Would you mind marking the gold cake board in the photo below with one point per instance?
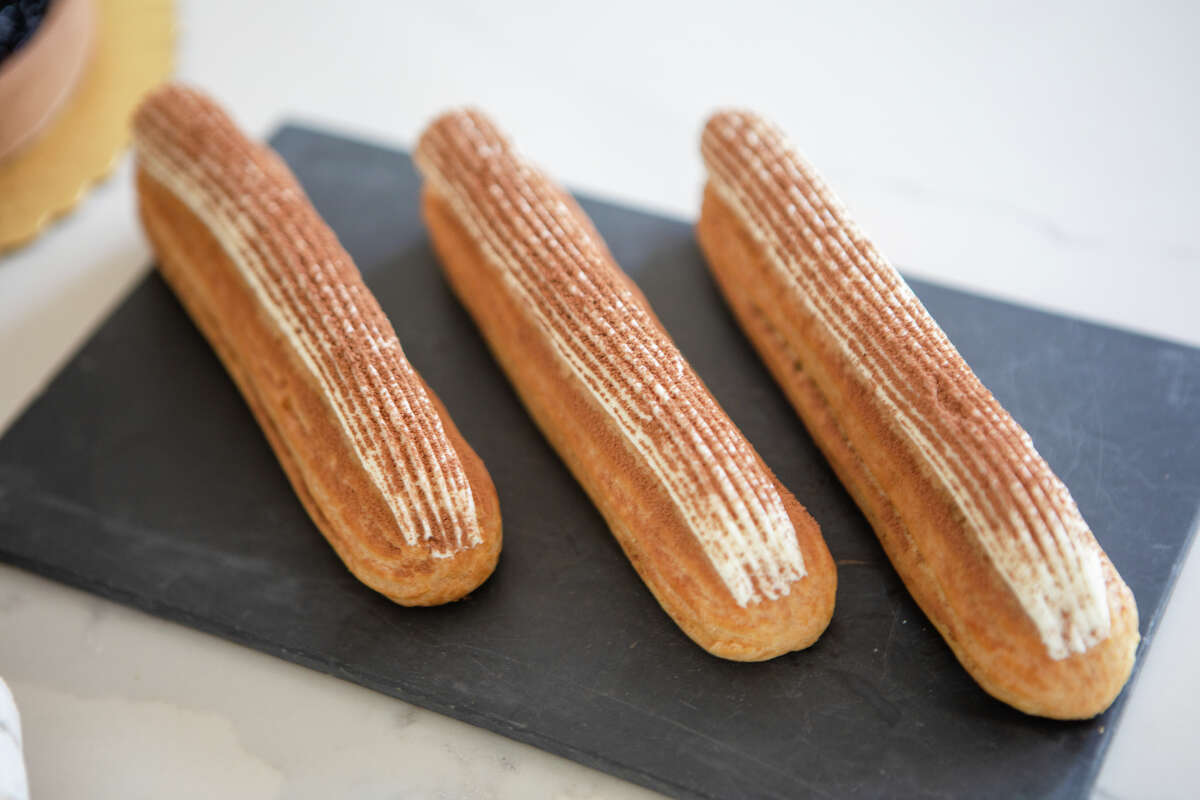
(134, 48)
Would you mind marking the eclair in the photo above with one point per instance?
(726, 550)
(369, 449)
(987, 539)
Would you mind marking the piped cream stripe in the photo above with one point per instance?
(1067, 605)
(372, 453)
(659, 356)
(998, 522)
(548, 262)
(713, 514)
(920, 329)
(369, 405)
(1026, 563)
(282, 310)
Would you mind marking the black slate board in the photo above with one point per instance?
(140, 475)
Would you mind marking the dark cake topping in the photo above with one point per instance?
(19, 19)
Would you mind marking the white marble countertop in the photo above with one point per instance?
(1042, 155)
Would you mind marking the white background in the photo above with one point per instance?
(1046, 155)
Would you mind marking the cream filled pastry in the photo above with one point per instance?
(985, 536)
(369, 449)
(726, 550)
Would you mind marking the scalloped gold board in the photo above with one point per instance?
(135, 43)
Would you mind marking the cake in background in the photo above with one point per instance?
(44, 49)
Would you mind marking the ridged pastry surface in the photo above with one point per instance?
(1019, 512)
(551, 260)
(306, 282)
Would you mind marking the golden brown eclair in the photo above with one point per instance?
(369, 449)
(726, 550)
(986, 538)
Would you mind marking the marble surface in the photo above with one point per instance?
(1041, 155)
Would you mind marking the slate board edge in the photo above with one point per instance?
(499, 725)
(358, 677)
(1122, 702)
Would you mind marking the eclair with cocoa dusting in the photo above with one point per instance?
(985, 536)
(727, 551)
(370, 451)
